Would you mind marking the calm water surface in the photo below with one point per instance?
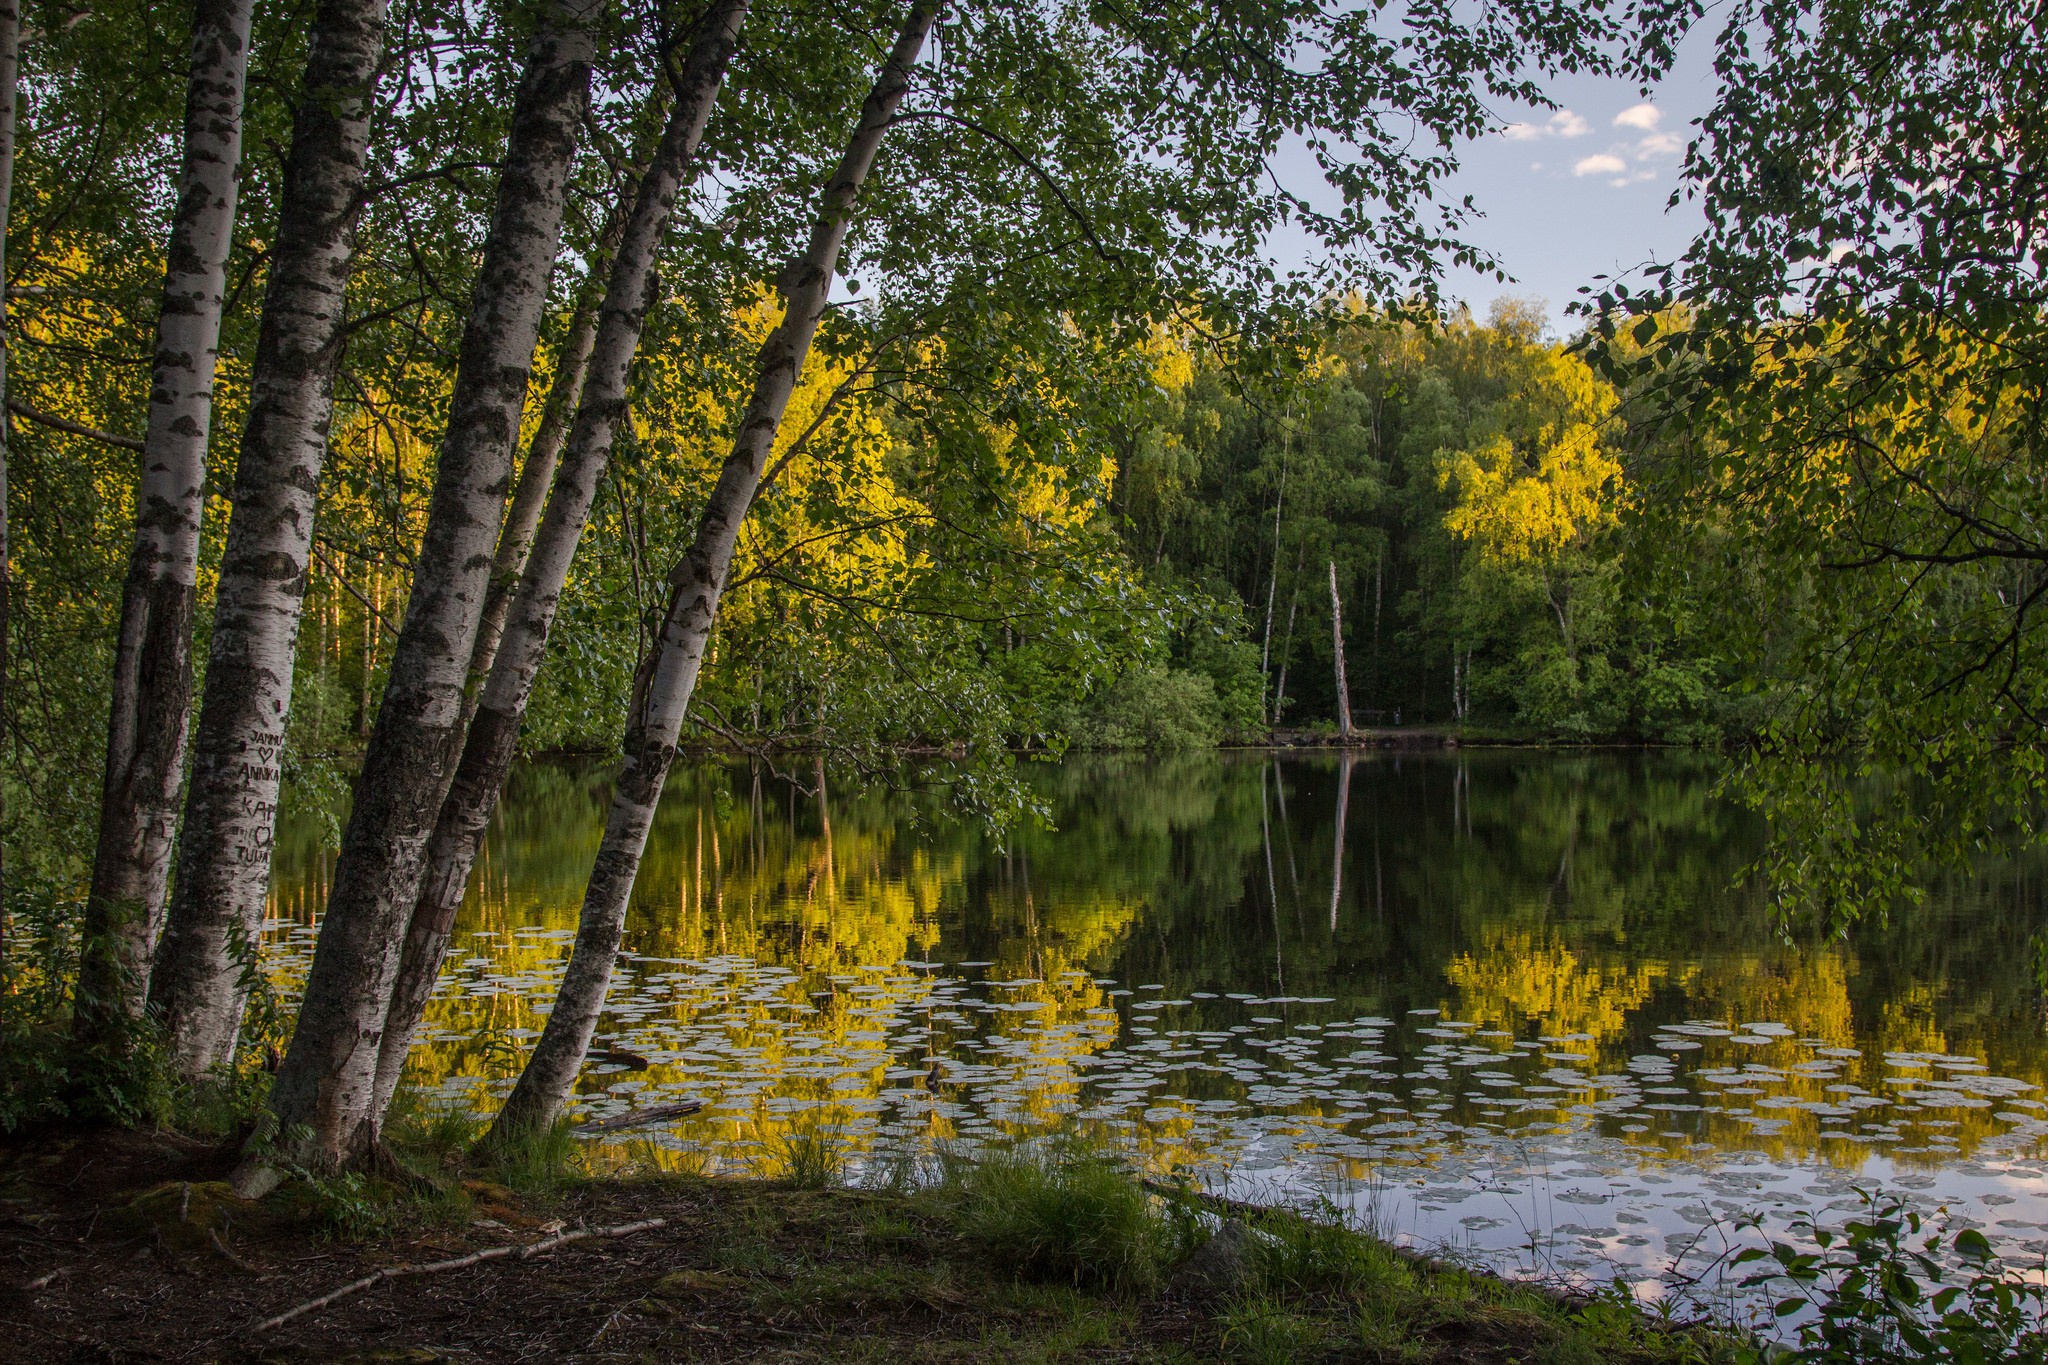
(1506, 1004)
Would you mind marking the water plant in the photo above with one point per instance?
(1889, 1287)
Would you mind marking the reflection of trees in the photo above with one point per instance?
(1540, 893)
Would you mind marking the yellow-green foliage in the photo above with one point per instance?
(1544, 475)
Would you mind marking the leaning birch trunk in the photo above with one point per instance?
(323, 1091)
(543, 1089)
(152, 699)
(494, 731)
(216, 910)
(10, 52)
(1337, 653)
(537, 474)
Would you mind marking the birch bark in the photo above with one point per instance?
(216, 909)
(1337, 655)
(152, 693)
(10, 53)
(694, 588)
(537, 475)
(325, 1087)
(494, 731)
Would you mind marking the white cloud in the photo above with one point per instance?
(1600, 163)
(1643, 116)
(1661, 144)
(1563, 123)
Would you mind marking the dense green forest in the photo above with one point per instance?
(392, 390)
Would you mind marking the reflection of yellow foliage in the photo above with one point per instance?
(1808, 992)
(1515, 978)
(832, 917)
(1909, 1022)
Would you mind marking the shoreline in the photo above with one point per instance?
(137, 1247)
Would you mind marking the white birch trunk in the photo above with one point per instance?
(10, 52)
(216, 910)
(152, 693)
(695, 585)
(325, 1088)
(1337, 652)
(537, 474)
(493, 734)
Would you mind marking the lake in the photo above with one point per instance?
(1509, 1004)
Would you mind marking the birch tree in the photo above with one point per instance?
(153, 655)
(325, 1085)
(493, 733)
(694, 588)
(216, 908)
(10, 52)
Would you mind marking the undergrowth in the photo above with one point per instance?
(1064, 1214)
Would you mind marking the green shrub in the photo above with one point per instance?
(1062, 1215)
(1151, 708)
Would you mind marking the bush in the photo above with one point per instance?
(1062, 1215)
(1151, 708)
(1231, 664)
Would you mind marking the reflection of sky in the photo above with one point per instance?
(1568, 194)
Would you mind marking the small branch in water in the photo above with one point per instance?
(515, 1250)
(636, 1117)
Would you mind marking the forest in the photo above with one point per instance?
(400, 390)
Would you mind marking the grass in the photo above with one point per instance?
(1064, 1214)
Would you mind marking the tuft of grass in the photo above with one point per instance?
(533, 1160)
(1315, 1253)
(1264, 1331)
(438, 1134)
(811, 1159)
(1062, 1215)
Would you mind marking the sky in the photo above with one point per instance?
(1580, 191)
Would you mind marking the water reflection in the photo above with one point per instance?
(1503, 1001)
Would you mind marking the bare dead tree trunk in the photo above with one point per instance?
(152, 692)
(325, 1088)
(493, 735)
(1337, 654)
(216, 910)
(695, 585)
